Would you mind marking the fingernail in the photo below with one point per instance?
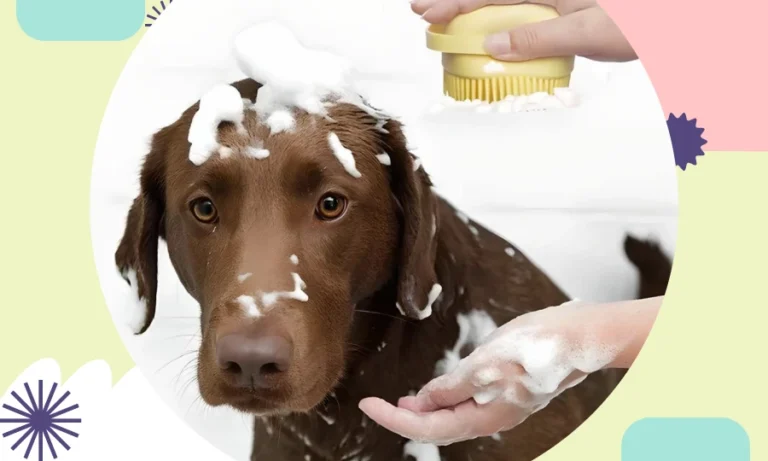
(498, 45)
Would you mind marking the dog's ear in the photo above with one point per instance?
(417, 284)
(136, 256)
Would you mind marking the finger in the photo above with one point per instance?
(439, 426)
(442, 427)
(421, 6)
(442, 12)
(590, 33)
(573, 380)
(444, 392)
(408, 403)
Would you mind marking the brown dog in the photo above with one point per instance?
(300, 268)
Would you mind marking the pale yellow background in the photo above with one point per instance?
(705, 357)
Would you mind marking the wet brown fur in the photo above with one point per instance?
(350, 342)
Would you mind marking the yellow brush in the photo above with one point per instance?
(470, 73)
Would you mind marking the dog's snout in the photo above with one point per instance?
(254, 360)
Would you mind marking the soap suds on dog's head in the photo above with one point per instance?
(294, 77)
(280, 120)
(225, 152)
(384, 159)
(221, 104)
(294, 260)
(344, 155)
(292, 74)
(259, 153)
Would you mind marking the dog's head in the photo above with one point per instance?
(278, 251)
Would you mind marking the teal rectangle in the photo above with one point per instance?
(80, 20)
(684, 439)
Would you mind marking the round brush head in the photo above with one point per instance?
(470, 73)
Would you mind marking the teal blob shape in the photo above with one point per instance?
(683, 439)
(80, 20)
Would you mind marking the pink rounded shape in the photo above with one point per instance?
(707, 59)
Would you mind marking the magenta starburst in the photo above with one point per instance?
(686, 139)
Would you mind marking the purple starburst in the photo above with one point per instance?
(158, 12)
(39, 421)
(686, 139)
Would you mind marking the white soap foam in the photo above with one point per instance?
(221, 104)
(484, 109)
(474, 327)
(258, 153)
(510, 251)
(422, 451)
(280, 120)
(243, 277)
(295, 260)
(548, 360)
(137, 315)
(488, 376)
(568, 97)
(294, 76)
(269, 299)
(248, 303)
(384, 159)
(329, 420)
(344, 155)
(486, 395)
(434, 293)
(563, 98)
(225, 152)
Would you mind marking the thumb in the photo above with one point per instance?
(553, 37)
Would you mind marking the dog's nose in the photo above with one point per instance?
(254, 361)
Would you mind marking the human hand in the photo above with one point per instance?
(518, 370)
(583, 29)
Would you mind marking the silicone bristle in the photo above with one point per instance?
(492, 89)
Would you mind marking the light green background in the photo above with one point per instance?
(704, 358)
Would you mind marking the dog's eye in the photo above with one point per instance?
(204, 210)
(331, 207)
